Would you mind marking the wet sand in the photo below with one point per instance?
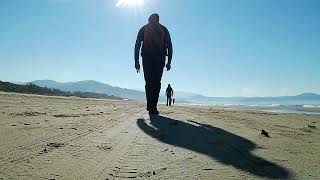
(72, 138)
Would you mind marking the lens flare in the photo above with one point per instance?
(123, 3)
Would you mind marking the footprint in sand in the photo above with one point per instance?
(105, 147)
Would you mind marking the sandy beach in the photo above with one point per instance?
(72, 138)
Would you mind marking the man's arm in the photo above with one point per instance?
(169, 45)
(138, 45)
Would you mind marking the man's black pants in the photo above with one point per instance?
(169, 100)
(153, 69)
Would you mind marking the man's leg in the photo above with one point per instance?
(147, 70)
(170, 100)
(158, 71)
(167, 100)
(154, 94)
(148, 96)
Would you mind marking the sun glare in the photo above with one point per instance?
(122, 3)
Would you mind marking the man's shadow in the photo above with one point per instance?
(221, 145)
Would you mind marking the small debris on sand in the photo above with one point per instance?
(65, 115)
(165, 150)
(208, 169)
(265, 133)
(74, 115)
(312, 126)
(105, 147)
(51, 146)
(27, 113)
(55, 145)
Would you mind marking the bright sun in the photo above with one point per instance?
(122, 3)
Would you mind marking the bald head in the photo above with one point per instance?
(154, 18)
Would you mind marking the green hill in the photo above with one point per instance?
(34, 89)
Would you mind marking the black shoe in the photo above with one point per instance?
(154, 111)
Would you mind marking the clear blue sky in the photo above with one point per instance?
(221, 47)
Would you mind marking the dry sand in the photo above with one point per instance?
(72, 138)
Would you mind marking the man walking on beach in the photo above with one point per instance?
(156, 46)
(169, 93)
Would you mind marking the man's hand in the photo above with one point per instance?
(168, 66)
(137, 66)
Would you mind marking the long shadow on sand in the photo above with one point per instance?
(221, 145)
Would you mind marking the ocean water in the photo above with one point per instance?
(272, 108)
(285, 104)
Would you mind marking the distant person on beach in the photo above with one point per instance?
(169, 93)
(156, 46)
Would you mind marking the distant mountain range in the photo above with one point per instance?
(98, 87)
(181, 97)
(92, 86)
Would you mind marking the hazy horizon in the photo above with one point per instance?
(221, 48)
(180, 92)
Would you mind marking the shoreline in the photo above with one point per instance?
(297, 109)
(283, 109)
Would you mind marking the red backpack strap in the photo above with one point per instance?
(145, 38)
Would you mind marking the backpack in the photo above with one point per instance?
(153, 41)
